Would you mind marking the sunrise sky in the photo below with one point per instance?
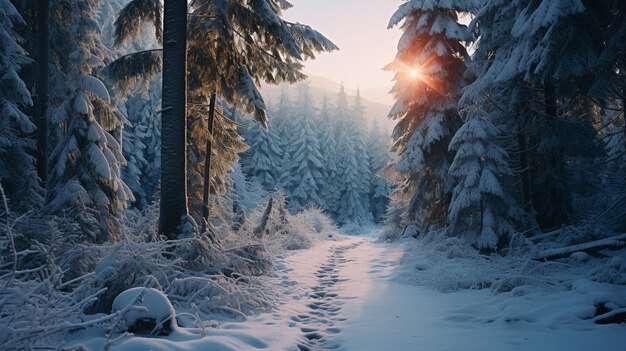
(359, 28)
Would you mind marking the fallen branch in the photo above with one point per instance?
(613, 243)
(540, 237)
(616, 316)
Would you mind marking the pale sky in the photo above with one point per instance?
(359, 28)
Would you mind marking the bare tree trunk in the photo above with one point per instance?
(207, 161)
(525, 165)
(43, 58)
(554, 165)
(624, 110)
(174, 118)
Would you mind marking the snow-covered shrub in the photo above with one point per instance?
(453, 264)
(145, 310)
(56, 284)
(235, 297)
(612, 270)
(39, 305)
(286, 231)
(318, 220)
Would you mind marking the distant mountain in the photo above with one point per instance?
(375, 111)
(379, 95)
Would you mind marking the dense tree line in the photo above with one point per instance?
(521, 136)
(324, 156)
(98, 115)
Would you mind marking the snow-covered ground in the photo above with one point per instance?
(351, 294)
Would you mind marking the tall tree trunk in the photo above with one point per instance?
(554, 164)
(525, 165)
(43, 58)
(207, 161)
(174, 118)
(624, 109)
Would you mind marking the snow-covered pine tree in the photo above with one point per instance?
(480, 204)
(228, 145)
(350, 208)
(233, 33)
(609, 86)
(306, 167)
(429, 68)
(142, 144)
(264, 157)
(17, 164)
(530, 63)
(283, 120)
(141, 134)
(359, 133)
(328, 144)
(233, 45)
(378, 151)
(85, 182)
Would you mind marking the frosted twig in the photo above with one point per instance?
(10, 234)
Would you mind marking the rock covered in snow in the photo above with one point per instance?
(146, 310)
(580, 256)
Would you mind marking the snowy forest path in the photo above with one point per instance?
(326, 286)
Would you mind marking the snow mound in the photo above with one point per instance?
(145, 310)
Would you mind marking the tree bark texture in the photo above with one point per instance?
(174, 118)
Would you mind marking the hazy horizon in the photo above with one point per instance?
(359, 28)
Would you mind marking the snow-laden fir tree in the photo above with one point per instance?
(132, 150)
(553, 49)
(232, 46)
(328, 147)
(351, 207)
(139, 103)
(378, 151)
(142, 144)
(228, 145)
(429, 68)
(306, 166)
(17, 165)
(358, 128)
(85, 182)
(480, 204)
(265, 156)
(530, 65)
(609, 86)
(282, 120)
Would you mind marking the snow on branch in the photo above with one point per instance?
(129, 23)
(613, 243)
(138, 67)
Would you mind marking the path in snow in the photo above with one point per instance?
(318, 324)
(328, 284)
(339, 295)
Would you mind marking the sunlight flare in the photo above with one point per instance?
(415, 73)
